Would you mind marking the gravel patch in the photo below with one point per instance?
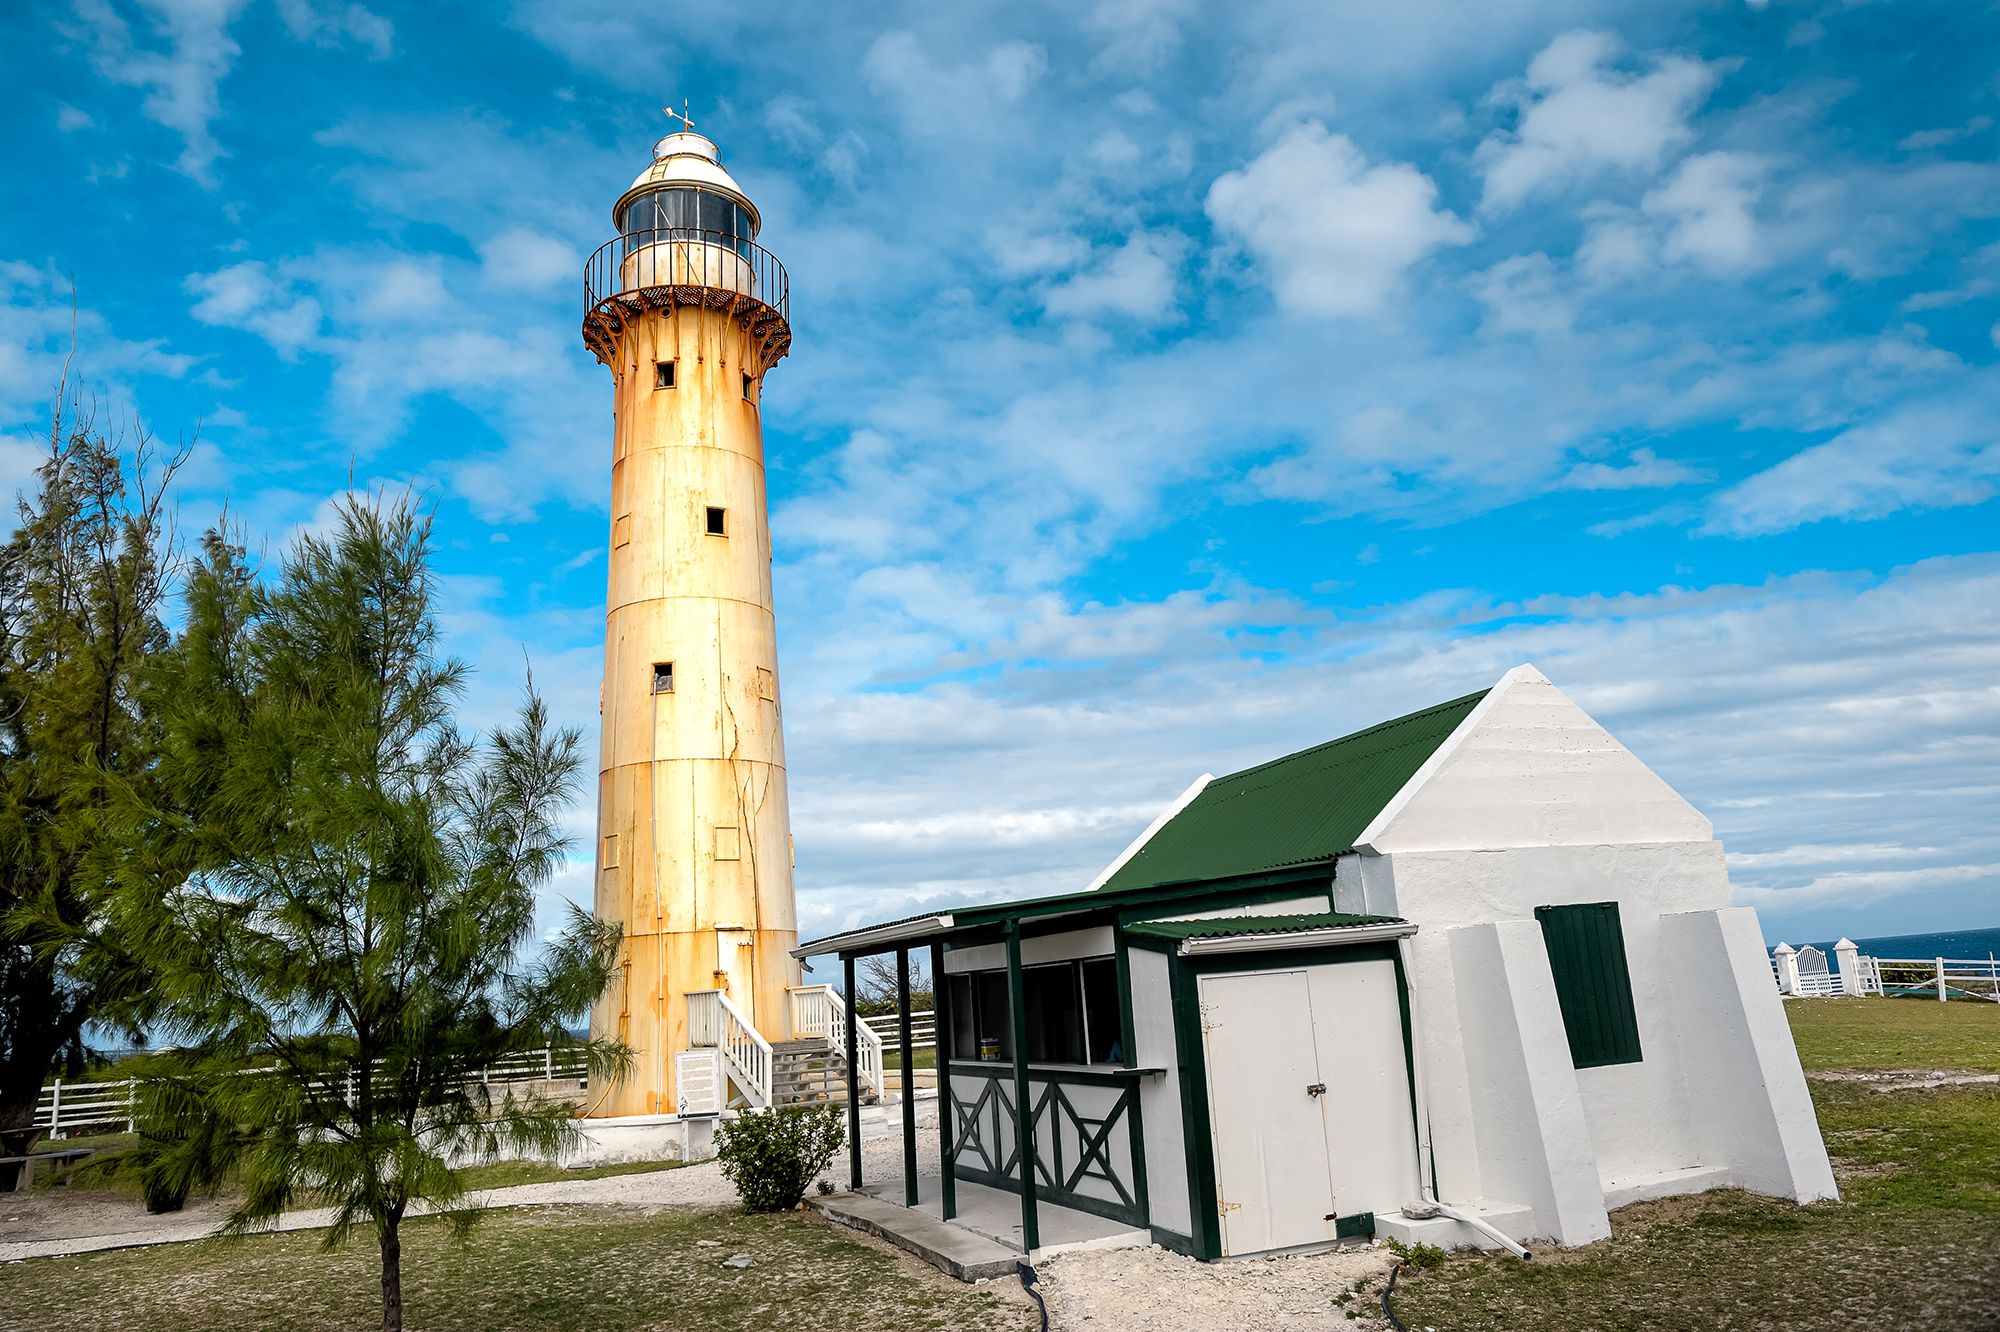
(1161, 1291)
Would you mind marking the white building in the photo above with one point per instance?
(1480, 955)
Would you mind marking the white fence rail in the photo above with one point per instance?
(923, 1029)
(1804, 974)
(67, 1109)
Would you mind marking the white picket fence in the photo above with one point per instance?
(70, 1108)
(1803, 974)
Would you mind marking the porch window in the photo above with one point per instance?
(1073, 1015)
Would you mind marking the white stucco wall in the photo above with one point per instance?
(1750, 1106)
(1035, 950)
(1531, 804)
(1530, 1126)
(1531, 768)
(1160, 1097)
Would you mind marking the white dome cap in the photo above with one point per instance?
(685, 158)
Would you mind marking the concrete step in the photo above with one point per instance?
(951, 1249)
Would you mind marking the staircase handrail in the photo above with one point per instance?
(819, 1010)
(714, 1021)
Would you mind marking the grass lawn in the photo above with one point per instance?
(1914, 1241)
(525, 1270)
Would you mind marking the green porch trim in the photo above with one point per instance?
(1024, 1123)
(1173, 1241)
(1196, 1130)
(941, 1029)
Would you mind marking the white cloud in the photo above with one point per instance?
(1139, 35)
(1643, 470)
(1333, 234)
(180, 78)
(252, 297)
(1578, 116)
(1940, 138)
(70, 119)
(521, 259)
(1139, 279)
(938, 100)
(331, 24)
(1524, 294)
(1933, 453)
(1707, 207)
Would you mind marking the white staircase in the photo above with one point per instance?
(819, 1016)
(811, 1066)
(715, 1023)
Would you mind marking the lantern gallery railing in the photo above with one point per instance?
(641, 265)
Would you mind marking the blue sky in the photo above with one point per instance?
(1173, 385)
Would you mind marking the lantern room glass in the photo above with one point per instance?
(686, 213)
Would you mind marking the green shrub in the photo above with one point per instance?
(772, 1156)
(1418, 1256)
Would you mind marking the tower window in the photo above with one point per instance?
(621, 530)
(728, 844)
(767, 684)
(610, 850)
(749, 389)
(663, 677)
(718, 521)
(663, 374)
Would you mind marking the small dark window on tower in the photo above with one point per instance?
(663, 374)
(718, 521)
(663, 677)
(749, 389)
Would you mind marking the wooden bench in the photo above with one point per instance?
(24, 1175)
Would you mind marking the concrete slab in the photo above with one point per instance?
(1666, 1184)
(952, 1249)
(1510, 1219)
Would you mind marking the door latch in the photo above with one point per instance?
(1316, 1089)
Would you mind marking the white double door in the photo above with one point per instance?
(1309, 1101)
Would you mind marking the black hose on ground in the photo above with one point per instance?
(1026, 1272)
(1387, 1312)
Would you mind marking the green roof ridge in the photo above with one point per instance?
(1298, 809)
(1218, 927)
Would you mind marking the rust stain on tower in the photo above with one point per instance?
(694, 845)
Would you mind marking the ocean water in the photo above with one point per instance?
(1976, 945)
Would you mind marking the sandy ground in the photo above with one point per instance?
(1107, 1290)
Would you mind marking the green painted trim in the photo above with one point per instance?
(1024, 1110)
(1097, 1075)
(1410, 1072)
(1079, 1202)
(853, 1080)
(905, 1053)
(1361, 1223)
(1278, 959)
(942, 1028)
(1173, 1241)
(1196, 1130)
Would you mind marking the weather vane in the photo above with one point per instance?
(681, 115)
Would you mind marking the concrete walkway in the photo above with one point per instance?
(698, 1185)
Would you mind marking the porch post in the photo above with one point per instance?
(1024, 1111)
(853, 1079)
(947, 1112)
(909, 1076)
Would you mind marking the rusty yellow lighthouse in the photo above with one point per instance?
(694, 852)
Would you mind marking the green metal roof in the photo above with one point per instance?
(1305, 807)
(1229, 926)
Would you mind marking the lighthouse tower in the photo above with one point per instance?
(694, 854)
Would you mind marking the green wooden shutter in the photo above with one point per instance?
(1587, 957)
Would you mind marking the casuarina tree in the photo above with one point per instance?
(336, 894)
(82, 580)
